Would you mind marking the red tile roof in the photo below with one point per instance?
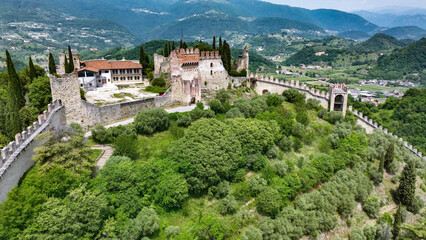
(107, 65)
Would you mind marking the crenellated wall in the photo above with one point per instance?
(269, 84)
(369, 125)
(16, 158)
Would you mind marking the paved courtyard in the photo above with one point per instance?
(110, 95)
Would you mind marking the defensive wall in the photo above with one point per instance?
(262, 85)
(87, 114)
(16, 157)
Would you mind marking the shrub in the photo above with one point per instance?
(223, 96)
(376, 176)
(177, 132)
(273, 152)
(100, 134)
(158, 82)
(333, 117)
(228, 205)
(200, 105)
(297, 144)
(145, 224)
(196, 114)
(294, 96)
(384, 231)
(184, 120)
(209, 113)
(252, 233)
(172, 231)
(126, 146)
(312, 103)
(269, 201)
(274, 100)
(285, 144)
(240, 175)
(281, 168)
(416, 206)
(234, 113)
(155, 89)
(223, 189)
(302, 117)
(151, 121)
(371, 207)
(256, 162)
(298, 130)
(322, 113)
(256, 184)
(171, 190)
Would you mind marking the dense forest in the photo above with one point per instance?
(266, 167)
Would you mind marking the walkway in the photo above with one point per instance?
(107, 152)
(131, 120)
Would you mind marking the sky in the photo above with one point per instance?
(351, 5)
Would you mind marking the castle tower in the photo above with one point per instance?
(243, 60)
(338, 97)
(67, 89)
(76, 59)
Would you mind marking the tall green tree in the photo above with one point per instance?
(141, 55)
(407, 186)
(15, 98)
(220, 45)
(397, 223)
(71, 61)
(32, 73)
(226, 56)
(184, 45)
(169, 49)
(214, 42)
(173, 45)
(389, 156)
(181, 44)
(66, 65)
(52, 64)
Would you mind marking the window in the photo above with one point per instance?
(211, 64)
(106, 71)
(90, 74)
(81, 74)
(211, 72)
(129, 78)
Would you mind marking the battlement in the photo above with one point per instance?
(338, 87)
(13, 148)
(210, 55)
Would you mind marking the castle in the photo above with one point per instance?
(195, 74)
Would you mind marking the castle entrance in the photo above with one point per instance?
(192, 100)
(338, 103)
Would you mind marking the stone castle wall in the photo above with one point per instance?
(16, 158)
(271, 85)
(88, 114)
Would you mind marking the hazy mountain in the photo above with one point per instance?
(393, 20)
(141, 16)
(409, 32)
(356, 35)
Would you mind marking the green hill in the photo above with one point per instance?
(311, 55)
(356, 35)
(379, 42)
(403, 62)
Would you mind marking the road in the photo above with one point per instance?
(128, 121)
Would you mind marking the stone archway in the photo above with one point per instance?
(265, 91)
(339, 101)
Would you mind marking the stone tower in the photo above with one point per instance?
(338, 97)
(243, 60)
(76, 59)
(67, 89)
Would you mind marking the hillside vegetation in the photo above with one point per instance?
(262, 168)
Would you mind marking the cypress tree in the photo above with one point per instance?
(181, 43)
(71, 61)
(184, 46)
(226, 56)
(220, 46)
(407, 185)
(67, 66)
(165, 50)
(382, 164)
(214, 42)
(52, 65)
(15, 98)
(33, 72)
(170, 49)
(389, 156)
(173, 46)
(141, 55)
(397, 223)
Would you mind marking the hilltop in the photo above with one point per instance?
(379, 42)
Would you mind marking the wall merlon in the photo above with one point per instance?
(385, 131)
(12, 146)
(5, 153)
(45, 114)
(18, 139)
